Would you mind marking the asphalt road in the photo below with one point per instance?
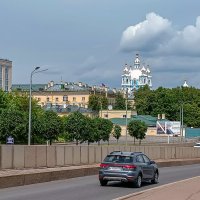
(88, 188)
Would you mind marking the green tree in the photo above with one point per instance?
(75, 125)
(96, 103)
(137, 129)
(120, 102)
(103, 129)
(50, 125)
(3, 100)
(13, 123)
(117, 132)
(87, 134)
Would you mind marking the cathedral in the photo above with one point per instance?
(135, 76)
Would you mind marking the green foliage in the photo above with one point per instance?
(96, 103)
(76, 126)
(103, 129)
(49, 125)
(169, 101)
(3, 100)
(120, 102)
(137, 129)
(13, 123)
(117, 132)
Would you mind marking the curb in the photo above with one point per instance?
(154, 189)
(53, 174)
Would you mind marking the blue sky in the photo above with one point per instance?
(91, 40)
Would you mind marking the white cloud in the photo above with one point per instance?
(156, 35)
(146, 35)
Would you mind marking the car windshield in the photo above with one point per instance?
(118, 159)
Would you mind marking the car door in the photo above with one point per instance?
(140, 163)
(149, 168)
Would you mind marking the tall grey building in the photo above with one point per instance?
(5, 75)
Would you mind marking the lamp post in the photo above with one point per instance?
(181, 121)
(30, 98)
(126, 114)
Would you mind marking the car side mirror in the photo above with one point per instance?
(152, 162)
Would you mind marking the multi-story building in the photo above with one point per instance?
(135, 77)
(65, 95)
(5, 75)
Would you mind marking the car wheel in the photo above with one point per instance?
(155, 178)
(103, 182)
(138, 181)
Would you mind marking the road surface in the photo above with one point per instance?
(88, 187)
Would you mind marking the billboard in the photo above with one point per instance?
(168, 127)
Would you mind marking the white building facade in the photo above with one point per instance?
(5, 75)
(135, 76)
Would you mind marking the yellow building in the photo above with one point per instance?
(78, 98)
(65, 97)
(109, 114)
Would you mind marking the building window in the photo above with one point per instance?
(106, 115)
(74, 98)
(57, 99)
(65, 98)
(83, 98)
(47, 98)
(124, 116)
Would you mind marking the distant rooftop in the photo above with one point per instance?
(63, 86)
(25, 87)
(67, 109)
(147, 119)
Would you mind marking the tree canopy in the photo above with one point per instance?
(117, 132)
(137, 129)
(169, 102)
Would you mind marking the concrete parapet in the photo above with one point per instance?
(37, 156)
(51, 156)
(41, 156)
(18, 157)
(60, 155)
(76, 155)
(68, 155)
(7, 156)
(0, 158)
(85, 155)
(91, 158)
(104, 150)
(98, 154)
(30, 156)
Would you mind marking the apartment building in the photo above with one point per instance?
(5, 75)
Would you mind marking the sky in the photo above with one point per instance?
(91, 40)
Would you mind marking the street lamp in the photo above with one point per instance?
(30, 97)
(181, 121)
(126, 114)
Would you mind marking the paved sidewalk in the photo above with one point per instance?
(182, 190)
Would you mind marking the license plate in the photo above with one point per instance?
(115, 168)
